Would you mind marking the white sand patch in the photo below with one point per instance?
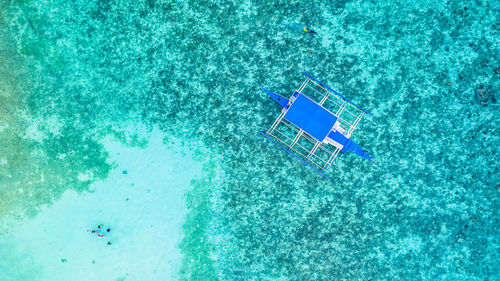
(3, 127)
(53, 124)
(85, 176)
(33, 133)
(141, 201)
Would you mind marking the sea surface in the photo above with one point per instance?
(144, 117)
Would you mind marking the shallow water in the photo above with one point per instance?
(141, 202)
(77, 73)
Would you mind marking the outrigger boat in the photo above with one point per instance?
(316, 124)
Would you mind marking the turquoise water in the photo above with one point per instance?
(83, 82)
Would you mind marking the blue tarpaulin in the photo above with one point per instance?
(310, 117)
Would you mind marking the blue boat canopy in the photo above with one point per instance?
(311, 117)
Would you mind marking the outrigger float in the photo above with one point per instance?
(316, 124)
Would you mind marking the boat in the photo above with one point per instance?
(315, 125)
